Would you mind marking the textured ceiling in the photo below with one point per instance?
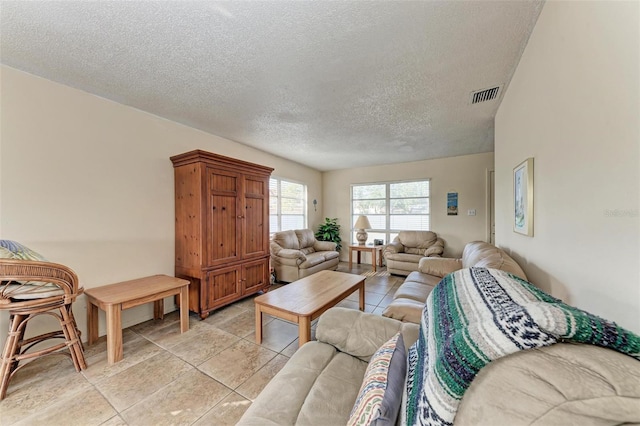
(328, 84)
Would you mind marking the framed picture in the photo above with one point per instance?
(523, 198)
(452, 204)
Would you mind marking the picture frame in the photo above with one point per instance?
(523, 198)
(452, 204)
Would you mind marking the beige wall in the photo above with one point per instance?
(88, 182)
(573, 105)
(465, 175)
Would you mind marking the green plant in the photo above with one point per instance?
(330, 231)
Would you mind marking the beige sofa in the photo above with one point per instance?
(297, 254)
(561, 384)
(403, 254)
(410, 297)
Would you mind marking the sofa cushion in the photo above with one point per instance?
(318, 385)
(286, 239)
(404, 257)
(406, 310)
(291, 254)
(380, 395)
(417, 277)
(328, 255)
(313, 259)
(327, 265)
(413, 250)
(409, 299)
(484, 255)
(414, 291)
(332, 395)
(306, 238)
(360, 334)
(325, 246)
(503, 262)
(417, 239)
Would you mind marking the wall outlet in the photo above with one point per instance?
(471, 212)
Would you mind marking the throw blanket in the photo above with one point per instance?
(477, 315)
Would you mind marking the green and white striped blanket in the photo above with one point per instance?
(477, 315)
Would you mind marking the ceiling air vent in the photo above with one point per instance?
(484, 95)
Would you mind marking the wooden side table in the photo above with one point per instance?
(114, 298)
(375, 250)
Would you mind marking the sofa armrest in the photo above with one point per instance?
(324, 246)
(394, 247)
(361, 334)
(439, 266)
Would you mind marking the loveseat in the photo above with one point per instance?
(409, 299)
(561, 384)
(296, 254)
(403, 254)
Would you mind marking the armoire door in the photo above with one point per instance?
(223, 225)
(255, 276)
(222, 286)
(255, 225)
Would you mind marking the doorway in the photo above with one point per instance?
(491, 199)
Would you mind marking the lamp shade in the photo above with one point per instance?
(362, 223)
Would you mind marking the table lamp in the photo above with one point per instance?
(361, 224)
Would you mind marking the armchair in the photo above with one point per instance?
(403, 254)
(296, 254)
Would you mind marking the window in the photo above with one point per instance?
(287, 205)
(391, 207)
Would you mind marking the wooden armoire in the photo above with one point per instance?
(222, 228)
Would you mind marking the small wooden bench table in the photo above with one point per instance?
(304, 300)
(114, 298)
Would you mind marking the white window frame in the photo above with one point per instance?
(389, 233)
(278, 213)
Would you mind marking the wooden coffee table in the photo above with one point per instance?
(304, 300)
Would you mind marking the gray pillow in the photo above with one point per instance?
(395, 386)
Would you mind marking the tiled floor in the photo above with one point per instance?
(207, 376)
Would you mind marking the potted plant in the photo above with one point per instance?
(330, 231)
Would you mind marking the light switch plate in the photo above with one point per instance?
(471, 212)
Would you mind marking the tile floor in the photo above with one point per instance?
(207, 376)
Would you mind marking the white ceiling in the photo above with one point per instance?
(329, 84)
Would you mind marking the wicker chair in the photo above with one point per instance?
(29, 289)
